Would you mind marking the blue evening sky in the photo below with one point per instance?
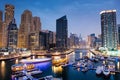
(83, 15)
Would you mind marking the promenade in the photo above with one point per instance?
(35, 53)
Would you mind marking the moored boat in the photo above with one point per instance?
(21, 67)
(35, 60)
(17, 67)
(106, 72)
(99, 70)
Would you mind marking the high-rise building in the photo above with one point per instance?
(118, 34)
(24, 30)
(1, 16)
(9, 13)
(61, 33)
(46, 39)
(74, 40)
(108, 29)
(12, 34)
(34, 33)
(33, 40)
(1, 29)
(37, 24)
(91, 40)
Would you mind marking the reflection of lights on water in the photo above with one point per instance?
(3, 69)
(3, 64)
(118, 65)
(78, 69)
(103, 62)
(57, 69)
(80, 54)
(16, 61)
(33, 57)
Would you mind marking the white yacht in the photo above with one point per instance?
(111, 66)
(35, 60)
(106, 71)
(99, 70)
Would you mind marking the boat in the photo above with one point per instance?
(34, 72)
(84, 69)
(106, 71)
(21, 67)
(17, 67)
(96, 59)
(50, 77)
(99, 70)
(111, 66)
(83, 65)
(35, 60)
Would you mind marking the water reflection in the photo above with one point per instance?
(118, 65)
(57, 69)
(80, 54)
(3, 69)
(16, 61)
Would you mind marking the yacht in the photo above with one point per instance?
(50, 77)
(17, 67)
(21, 67)
(106, 71)
(35, 60)
(84, 69)
(99, 70)
(111, 66)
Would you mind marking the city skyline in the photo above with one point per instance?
(79, 21)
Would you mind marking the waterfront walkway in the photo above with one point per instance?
(35, 53)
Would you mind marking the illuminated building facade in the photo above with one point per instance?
(61, 33)
(46, 39)
(24, 30)
(34, 34)
(12, 34)
(37, 24)
(118, 34)
(34, 41)
(1, 29)
(108, 29)
(74, 40)
(28, 35)
(9, 15)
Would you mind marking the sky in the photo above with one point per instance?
(83, 15)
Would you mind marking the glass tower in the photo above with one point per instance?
(108, 29)
(61, 33)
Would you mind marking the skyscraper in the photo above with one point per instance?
(1, 16)
(1, 29)
(9, 13)
(108, 29)
(37, 24)
(24, 30)
(12, 34)
(118, 34)
(61, 33)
